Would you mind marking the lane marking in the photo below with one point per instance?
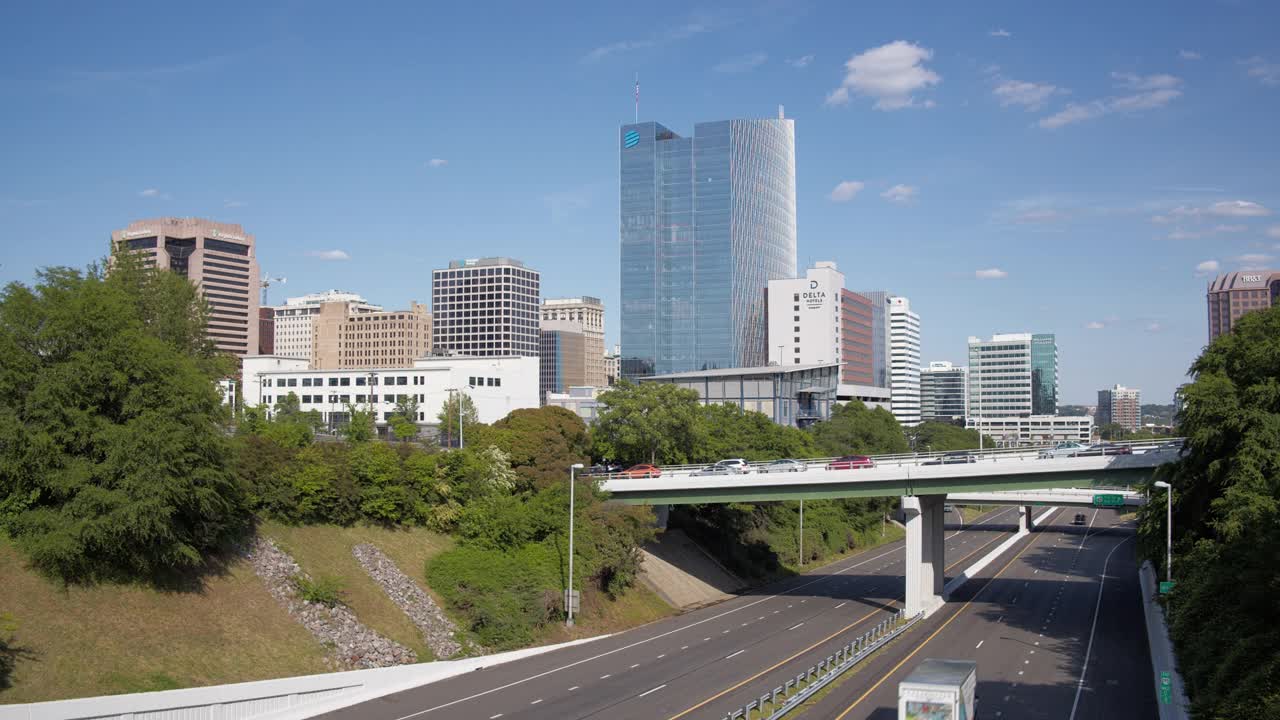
(495, 717)
(633, 667)
(951, 619)
(1096, 609)
(975, 647)
(605, 677)
(662, 656)
(840, 605)
(654, 690)
(535, 702)
(793, 627)
(575, 687)
(730, 657)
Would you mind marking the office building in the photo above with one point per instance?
(943, 392)
(814, 320)
(1237, 293)
(294, 333)
(878, 301)
(496, 386)
(795, 395)
(342, 339)
(266, 331)
(904, 361)
(580, 400)
(486, 307)
(612, 367)
(1120, 405)
(706, 222)
(1029, 430)
(1013, 375)
(562, 356)
(217, 257)
(587, 313)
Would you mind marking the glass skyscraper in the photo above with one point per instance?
(1044, 374)
(706, 222)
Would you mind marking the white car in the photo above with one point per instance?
(1065, 449)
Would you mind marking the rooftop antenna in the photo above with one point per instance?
(637, 97)
(781, 115)
(268, 281)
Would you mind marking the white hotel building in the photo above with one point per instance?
(294, 331)
(496, 385)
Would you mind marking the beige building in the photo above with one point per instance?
(1120, 405)
(293, 320)
(219, 258)
(587, 313)
(344, 338)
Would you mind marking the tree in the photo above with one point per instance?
(404, 419)
(542, 443)
(941, 437)
(360, 425)
(448, 418)
(854, 429)
(649, 422)
(113, 462)
(1226, 516)
(1113, 431)
(729, 431)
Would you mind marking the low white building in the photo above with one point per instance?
(581, 400)
(496, 385)
(1034, 429)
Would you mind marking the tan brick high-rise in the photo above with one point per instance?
(344, 340)
(219, 258)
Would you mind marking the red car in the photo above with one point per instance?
(850, 462)
(641, 471)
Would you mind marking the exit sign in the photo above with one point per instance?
(1166, 688)
(1165, 587)
(1108, 500)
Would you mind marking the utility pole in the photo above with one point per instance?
(801, 532)
(568, 596)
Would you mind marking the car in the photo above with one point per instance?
(1107, 449)
(850, 462)
(948, 508)
(785, 465)
(1064, 449)
(1078, 519)
(715, 469)
(734, 465)
(955, 457)
(643, 470)
(604, 468)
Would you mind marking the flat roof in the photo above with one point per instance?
(942, 672)
(730, 372)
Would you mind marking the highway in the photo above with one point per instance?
(699, 664)
(1030, 623)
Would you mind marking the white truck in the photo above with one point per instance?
(939, 690)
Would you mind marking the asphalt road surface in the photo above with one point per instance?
(697, 665)
(1055, 626)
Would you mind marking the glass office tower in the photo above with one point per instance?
(1044, 374)
(706, 222)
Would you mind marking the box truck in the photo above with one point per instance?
(939, 690)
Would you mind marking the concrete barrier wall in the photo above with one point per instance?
(284, 699)
(1163, 658)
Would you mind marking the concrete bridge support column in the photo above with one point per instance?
(926, 552)
(1026, 518)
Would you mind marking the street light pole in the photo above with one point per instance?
(568, 598)
(801, 532)
(1168, 526)
(460, 445)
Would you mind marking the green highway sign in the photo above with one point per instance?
(1108, 500)
(1166, 688)
(1165, 587)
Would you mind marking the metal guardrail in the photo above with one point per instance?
(791, 694)
(987, 455)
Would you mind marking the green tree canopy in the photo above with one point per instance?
(941, 437)
(855, 429)
(733, 432)
(404, 419)
(649, 422)
(541, 443)
(448, 418)
(113, 462)
(1226, 519)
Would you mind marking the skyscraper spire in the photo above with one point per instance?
(637, 97)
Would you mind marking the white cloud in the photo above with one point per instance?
(1267, 73)
(1189, 55)
(437, 162)
(1095, 325)
(1253, 261)
(154, 193)
(901, 194)
(800, 62)
(681, 32)
(1000, 33)
(1220, 229)
(1040, 215)
(1031, 96)
(1274, 232)
(1142, 92)
(1180, 234)
(990, 274)
(235, 203)
(1154, 327)
(741, 64)
(329, 254)
(846, 190)
(891, 74)
(1238, 208)
(1208, 267)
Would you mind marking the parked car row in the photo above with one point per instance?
(1076, 449)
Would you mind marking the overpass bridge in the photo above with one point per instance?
(925, 482)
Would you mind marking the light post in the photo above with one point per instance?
(459, 391)
(801, 532)
(568, 596)
(1168, 526)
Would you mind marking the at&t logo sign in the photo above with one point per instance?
(630, 138)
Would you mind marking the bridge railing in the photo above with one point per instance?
(1020, 454)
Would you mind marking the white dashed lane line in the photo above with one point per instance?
(575, 687)
(793, 627)
(653, 690)
(730, 657)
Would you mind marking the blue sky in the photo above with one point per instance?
(1008, 166)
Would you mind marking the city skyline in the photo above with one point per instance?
(992, 158)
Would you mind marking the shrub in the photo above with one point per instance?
(502, 594)
(325, 590)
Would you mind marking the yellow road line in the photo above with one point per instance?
(828, 638)
(935, 632)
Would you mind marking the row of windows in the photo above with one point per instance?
(496, 271)
(344, 381)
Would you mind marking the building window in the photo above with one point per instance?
(333, 382)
